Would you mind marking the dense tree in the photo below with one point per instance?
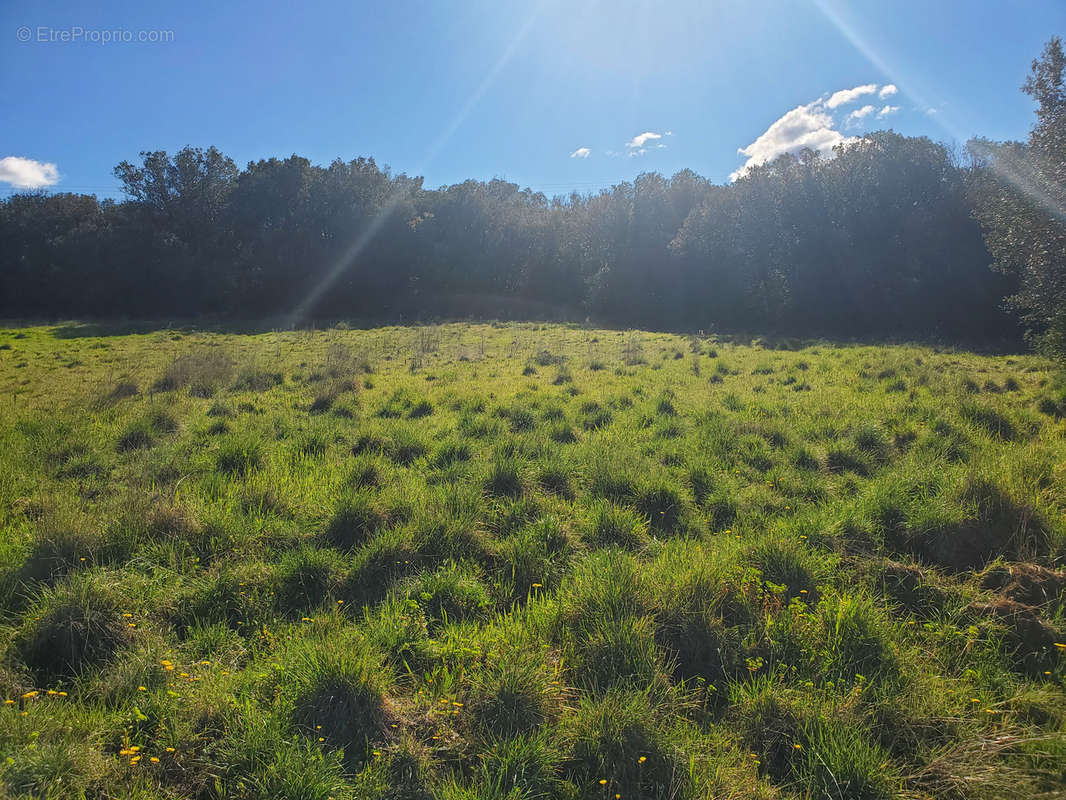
(1021, 202)
(882, 238)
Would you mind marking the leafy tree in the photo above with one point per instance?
(1021, 203)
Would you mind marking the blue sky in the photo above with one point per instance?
(456, 89)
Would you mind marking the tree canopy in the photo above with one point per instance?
(892, 235)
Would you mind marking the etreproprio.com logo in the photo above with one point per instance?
(77, 34)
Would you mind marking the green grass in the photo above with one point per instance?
(531, 561)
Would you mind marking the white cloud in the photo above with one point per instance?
(638, 152)
(887, 90)
(845, 96)
(859, 113)
(643, 139)
(807, 126)
(25, 173)
(581, 152)
(884, 112)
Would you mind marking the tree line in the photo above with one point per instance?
(892, 235)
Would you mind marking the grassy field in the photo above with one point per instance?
(522, 561)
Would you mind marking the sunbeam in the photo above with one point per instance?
(912, 87)
(371, 230)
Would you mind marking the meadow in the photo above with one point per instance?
(527, 561)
